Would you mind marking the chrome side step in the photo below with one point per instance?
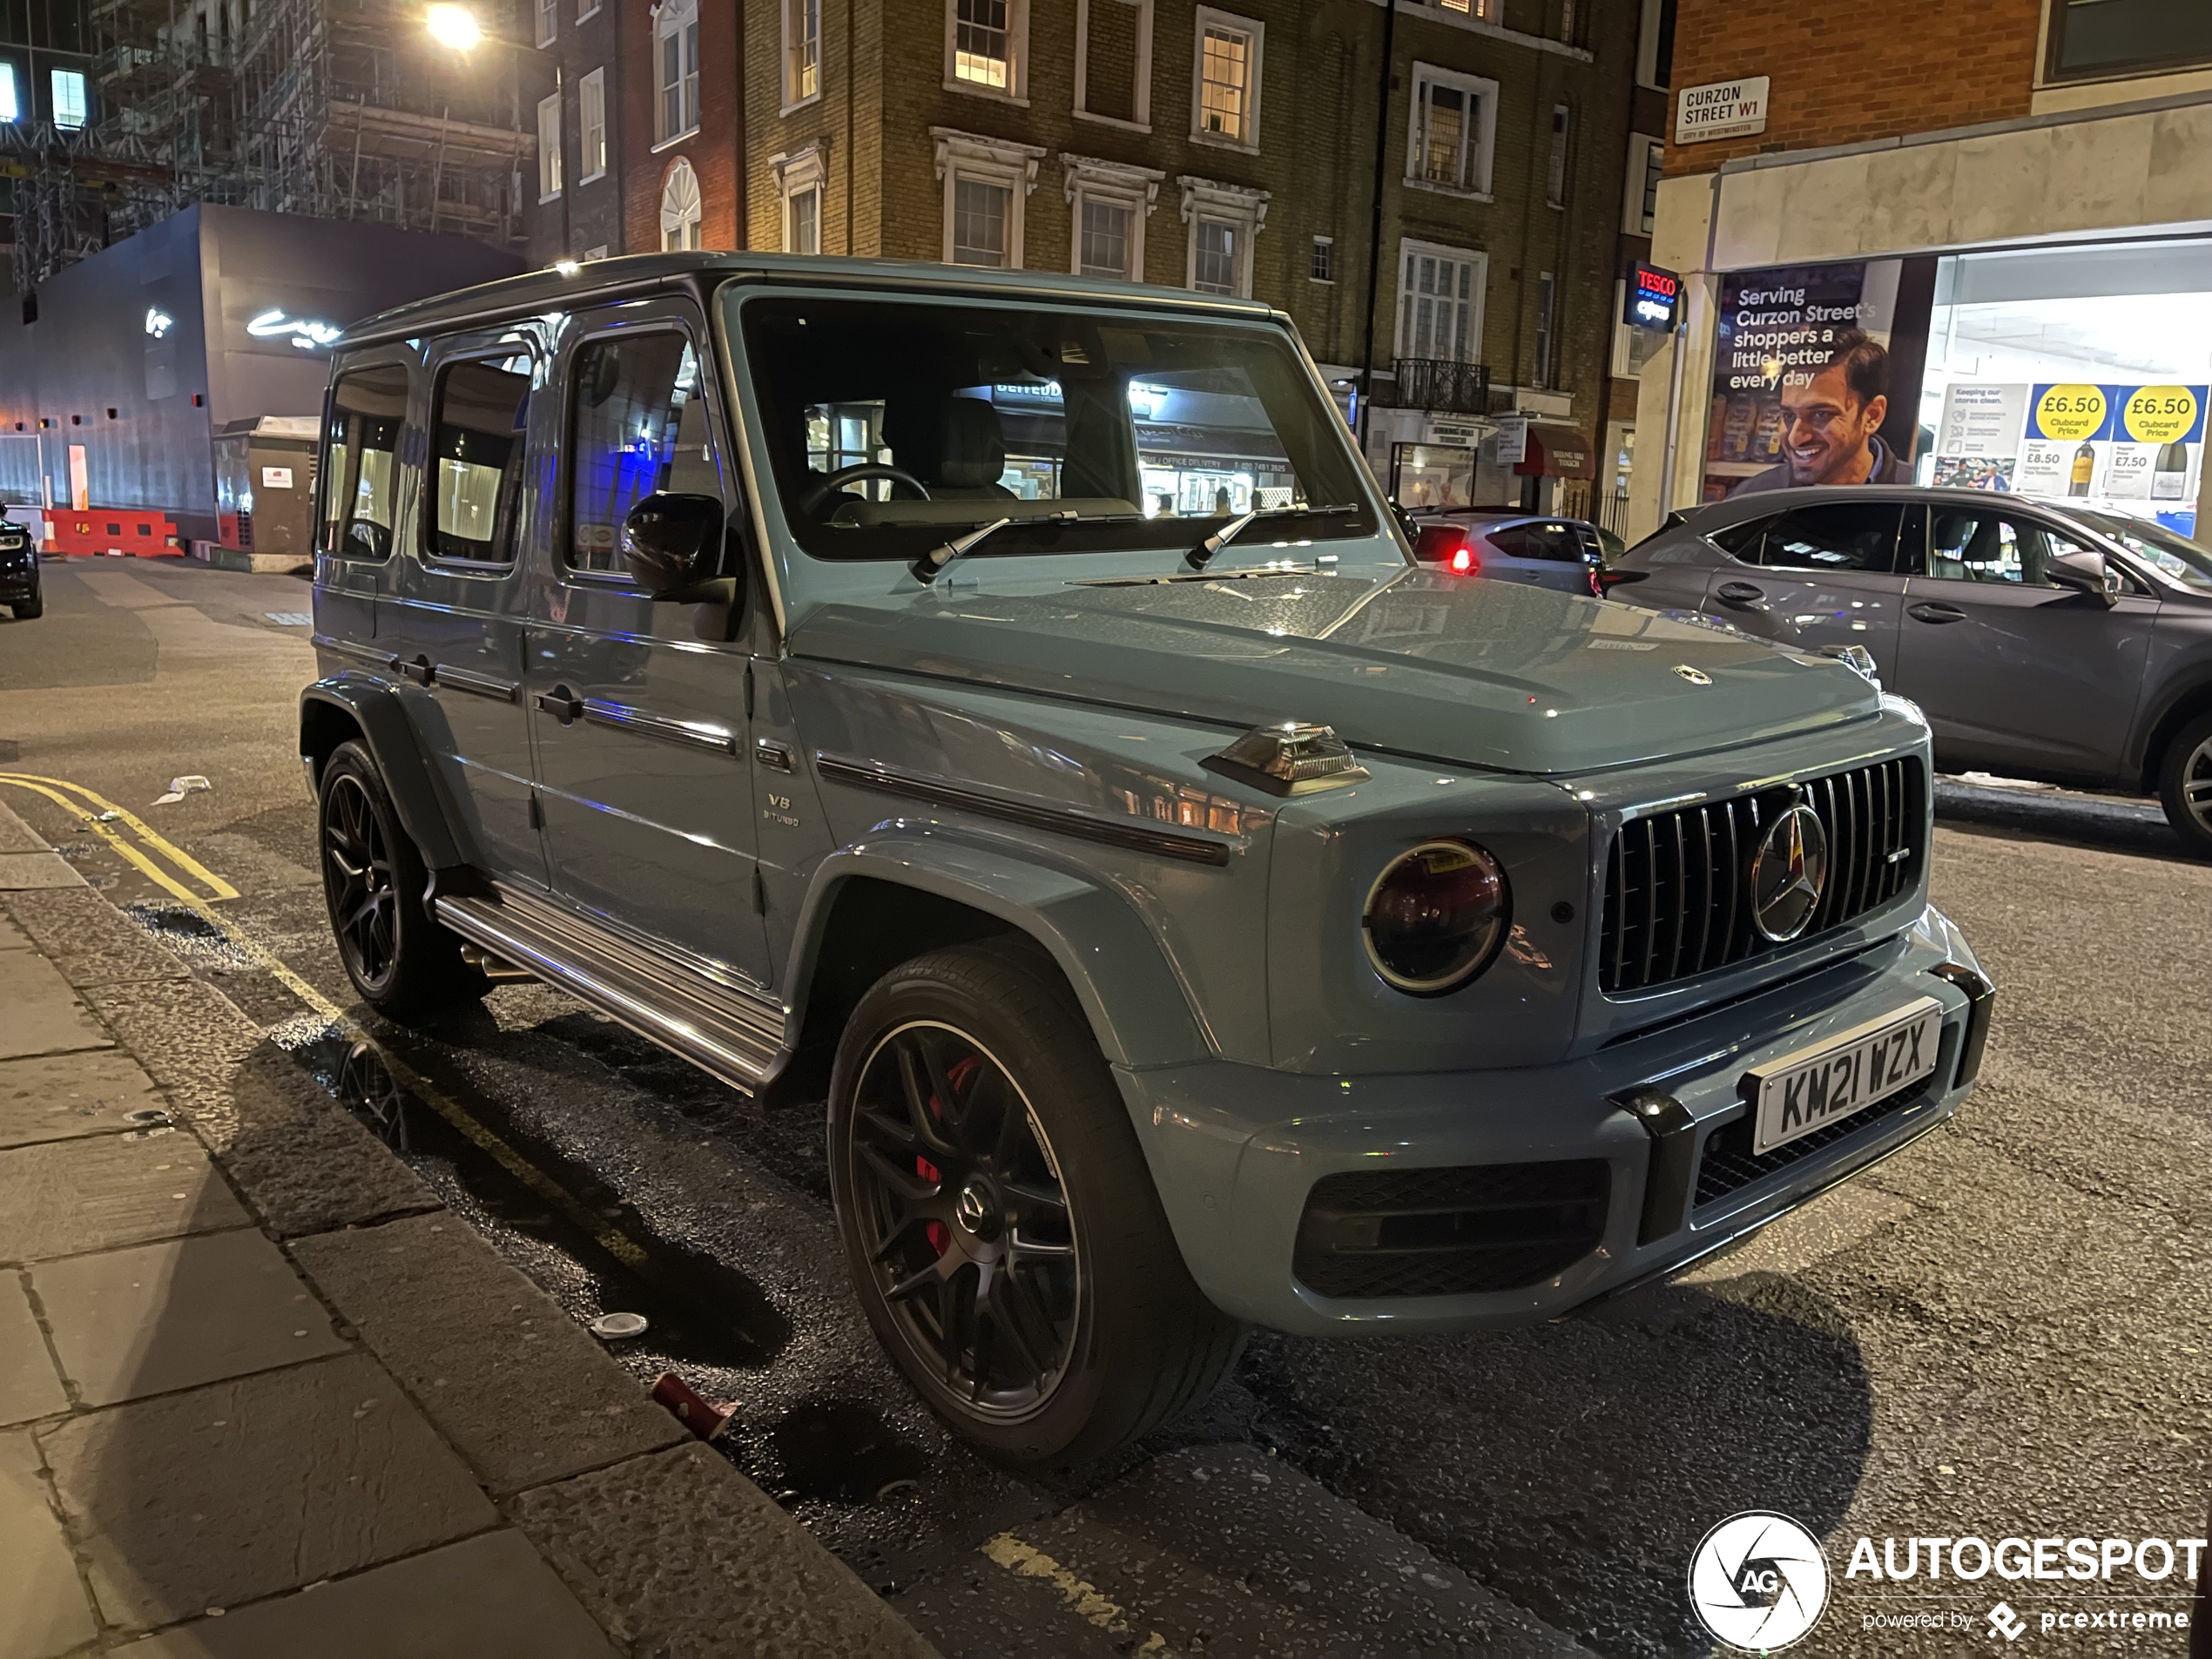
(735, 1037)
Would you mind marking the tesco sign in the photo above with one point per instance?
(1653, 299)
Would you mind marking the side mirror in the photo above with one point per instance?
(2084, 572)
(672, 544)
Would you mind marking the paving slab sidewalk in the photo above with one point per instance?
(259, 1392)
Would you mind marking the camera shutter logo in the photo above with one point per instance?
(1758, 1581)
(1789, 874)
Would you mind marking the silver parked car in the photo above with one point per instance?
(1003, 707)
(1509, 545)
(2043, 641)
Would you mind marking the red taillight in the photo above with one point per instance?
(1463, 562)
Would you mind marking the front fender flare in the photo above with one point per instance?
(1137, 1006)
(376, 709)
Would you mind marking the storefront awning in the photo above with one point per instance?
(1556, 452)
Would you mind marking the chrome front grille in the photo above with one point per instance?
(1677, 884)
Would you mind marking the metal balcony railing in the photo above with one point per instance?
(1438, 383)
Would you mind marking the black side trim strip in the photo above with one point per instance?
(383, 659)
(462, 680)
(1160, 843)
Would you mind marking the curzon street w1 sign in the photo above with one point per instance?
(1721, 109)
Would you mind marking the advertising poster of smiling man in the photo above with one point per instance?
(1804, 380)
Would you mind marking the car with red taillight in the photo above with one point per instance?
(1507, 544)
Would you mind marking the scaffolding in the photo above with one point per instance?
(331, 109)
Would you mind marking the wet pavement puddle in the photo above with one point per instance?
(842, 1452)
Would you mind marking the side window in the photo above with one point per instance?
(358, 471)
(1989, 547)
(1556, 542)
(640, 427)
(478, 416)
(1835, 536)
(1742, 540)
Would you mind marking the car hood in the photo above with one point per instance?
(1473, 672)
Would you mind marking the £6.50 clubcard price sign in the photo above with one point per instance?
(2136, 449)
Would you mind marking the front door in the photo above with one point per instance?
(459, 606)
(2015, 672)
(638, 705)
(357, 487)
(1822, 576)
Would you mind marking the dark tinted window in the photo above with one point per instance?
(641, 429)
(477, 418)
(360, 473)
(1743, 539)
(1557, 542)
(1835, 536)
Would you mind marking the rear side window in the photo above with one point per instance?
(641, 429)
(1556, 542)
(1743, 539)
(360, 475)
(478, 417)
(1834, 536)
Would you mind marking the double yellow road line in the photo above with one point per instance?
(168, 866)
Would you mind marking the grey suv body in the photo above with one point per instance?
(2042, 641)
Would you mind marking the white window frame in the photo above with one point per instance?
(1479, 147)
(592, 126)
(674, 18)
(1633, 221)
(1255, 33)
(796, 14)
(795, 173)
(992, 161)
(586, 9)
(1087, 179)
(1239, 205)
(1016, 90)
(681, 167)
(1547, 335)
(1480, 10)
(1140, 104)
(549, 142)
(1313, 247)
(1647, 45)
(549, 22)
(1478, 291)
(54, 81)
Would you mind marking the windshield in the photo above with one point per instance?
(895, 424)
(2176, 557)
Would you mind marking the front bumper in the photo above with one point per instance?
(1237, 1151)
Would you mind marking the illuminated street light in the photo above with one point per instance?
(454, 26)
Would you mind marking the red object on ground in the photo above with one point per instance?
(690, 1407)
(133, 530)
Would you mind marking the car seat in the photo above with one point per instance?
(955, 446)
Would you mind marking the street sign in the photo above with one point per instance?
(1721, 109)
(1653, 299)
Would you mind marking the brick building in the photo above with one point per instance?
(2011, 196)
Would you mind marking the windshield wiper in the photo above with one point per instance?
(1198, 556)
(938, 560)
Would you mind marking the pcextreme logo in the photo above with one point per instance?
(1758, 1581)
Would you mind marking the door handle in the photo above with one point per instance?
(561, 704)
(1741, 596)
(1932, 612)
(419, 670)
(774, 756)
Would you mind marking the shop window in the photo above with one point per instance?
(478, 421)
(591, 119)
(548, 147)
(640, 429)
(1439, 312)
(358, 479)
(2099, 39)
(676, 111)
(680, 208)
(1455, 123)
(1225, 92)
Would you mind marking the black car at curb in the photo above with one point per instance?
(19, 588)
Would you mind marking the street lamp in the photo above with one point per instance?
(453, 26)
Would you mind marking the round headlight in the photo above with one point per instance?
(1436, 916)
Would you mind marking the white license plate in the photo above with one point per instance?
(1816, 1087)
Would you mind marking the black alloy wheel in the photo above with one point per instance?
(358, 877)
(962, 1212)
(2185, 785)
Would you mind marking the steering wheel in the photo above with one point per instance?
(819, 493)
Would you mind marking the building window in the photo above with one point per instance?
(1104, 240)
(591, 122)
(1113, 61)
(1224, 101)
(549, 21)
(586, 9)
(1547, 297)
(1656, 44)
(1647, 166)
(1225, 221)
(11, 103)
(548, 147)
(982, 44)
(802, 52)
(1322, 267)
(2102, 39)
(1108, 203)
(800, 181)
(70, 107)
(1555, 175)
(679, 208)
(676, 110)
(1439, 305)
(1454, 122)
(987, 181)
(1486, 9)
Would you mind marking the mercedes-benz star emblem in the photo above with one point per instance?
(1789, 874)
(1695, 675)
(974, 1207)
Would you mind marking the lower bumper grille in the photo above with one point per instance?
(1450, 1231)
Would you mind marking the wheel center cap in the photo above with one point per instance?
(977, 1210)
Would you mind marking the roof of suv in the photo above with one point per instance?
(535, 290)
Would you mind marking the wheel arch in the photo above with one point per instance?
(2190, 701)
(341, 710)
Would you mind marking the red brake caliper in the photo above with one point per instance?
(957, 1075)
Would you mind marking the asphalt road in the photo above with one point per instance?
(2001, 1331)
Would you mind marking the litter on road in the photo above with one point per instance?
(191, 784)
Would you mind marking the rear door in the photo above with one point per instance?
(357, 492)
(1816, 578)
(2017, 674)
(1545, 553)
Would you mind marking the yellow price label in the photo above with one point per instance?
(2065, 412)
(2160, 413)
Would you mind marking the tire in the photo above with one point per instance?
(404, 964)
(2186, 769)
(1040, 1305)
(29, 609)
